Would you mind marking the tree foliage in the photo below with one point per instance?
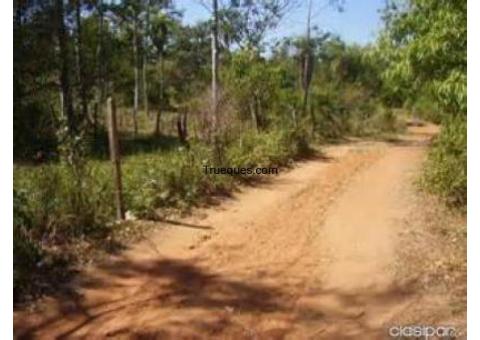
(425, 45)
(424, 48)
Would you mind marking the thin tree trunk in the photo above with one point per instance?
(135, 74)
(253, 114)
(160, 109)
(81, 63)
(182, 127)
(95, 122)
(157, 121)
(144, 59)
(258, 111)
(214, 34)
(100, 55)
(306, 64)
(62, 105)
(144, 86)
(65, 81)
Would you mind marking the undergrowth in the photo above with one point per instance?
(445, 172)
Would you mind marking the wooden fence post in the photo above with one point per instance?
(115, 156)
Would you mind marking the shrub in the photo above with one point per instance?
(60, 201)
(266, 149)
(171, 179)
(446, 168)
(373, 119)
(26, 252)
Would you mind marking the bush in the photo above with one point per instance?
(426, 108)
(267, 149)
(26, 252)
(382, 120)
(61, 201)
(170, 179)
(350, 109)
(445, 173)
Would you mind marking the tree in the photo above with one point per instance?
(134, 12)
(214, 64)
(309, 58)
(65, 74)
(307, 69)
(100, 56)
(146, 30)
(135, 73)
(253, 83)
(129, 12)
(424, 45)
(246, 22)
(81, 60)
(161, 29)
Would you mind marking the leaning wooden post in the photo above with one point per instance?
(115, 156)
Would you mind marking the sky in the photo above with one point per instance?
(358, 23)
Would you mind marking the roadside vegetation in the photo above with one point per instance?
(425, 46)
(268, 106)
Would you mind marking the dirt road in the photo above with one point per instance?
(308, 255)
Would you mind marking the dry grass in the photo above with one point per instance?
(432, 259)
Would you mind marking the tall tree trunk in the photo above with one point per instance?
(135, 74)
(160, 109)
(144, 58)
(65, 82)
(214, 34)
(100, 64)
(307, 61)
(81, 63)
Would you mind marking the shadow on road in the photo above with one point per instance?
(176, 299)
